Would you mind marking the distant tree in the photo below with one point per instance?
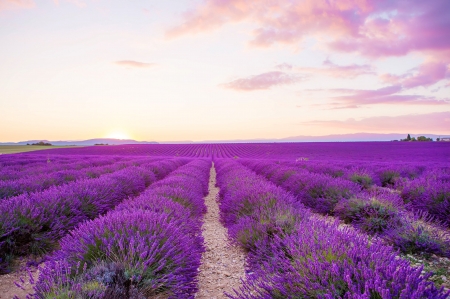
(413, 139)
(42, 143)
(438, 139)
(423, 138)
(408, 138)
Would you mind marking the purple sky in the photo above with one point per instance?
(218, 69)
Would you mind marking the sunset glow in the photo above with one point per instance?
(118, 135)
(221, 70)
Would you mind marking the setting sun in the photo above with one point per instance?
(118, 135)
(225, 149)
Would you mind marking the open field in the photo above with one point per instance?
(225, 149)
(308, 151)
(257, 221)
(12, 149)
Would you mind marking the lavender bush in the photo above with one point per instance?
(32, 223)
(137, 251)
(40, 182)
(316, 259)
(371, 214)
(323, 261)
(149, 246)
(429, 194)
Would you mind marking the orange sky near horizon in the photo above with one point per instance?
(222, 70)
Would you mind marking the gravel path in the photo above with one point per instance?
(222, 264)
(7, 283)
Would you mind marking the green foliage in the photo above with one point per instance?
(423, 138)
(42, 143)
(372, 216)
(362, 179)
(388, 177)
(420, 138)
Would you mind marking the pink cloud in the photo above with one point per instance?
(21, 4)
(15, 4)
(284, 67)
(371, 27)
(333, 70)
(426, 74)
(438, 122)
(347, 71)
(135, 64)
(263, 81)
(385, 95)
(212, 15)
(415, 26)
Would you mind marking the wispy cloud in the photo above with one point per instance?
(426, 74)
(438, 122)
(386, 95)
(263, 81)
(15, 4)
(21, 4)
(329, 68)
(134, 64)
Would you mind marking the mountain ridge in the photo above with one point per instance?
(109, 141)
(353, 137)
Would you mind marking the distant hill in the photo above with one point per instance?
(109, 141)
(354, 137)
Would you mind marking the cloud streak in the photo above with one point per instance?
(134, 64)
(386, 95)
(438, 122)
(16, 4)
(263, 81)
(425, 75)
(330, 69)
(24, 4)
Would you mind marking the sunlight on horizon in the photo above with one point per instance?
(118, 135)
(222, 70)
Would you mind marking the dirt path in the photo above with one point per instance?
(222, 264)
(8, 289)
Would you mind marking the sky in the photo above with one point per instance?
(222, 69)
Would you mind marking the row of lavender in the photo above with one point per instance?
(33, 222)
(147, 247)
(30, 159)
(295, 254)
(46, 177)
(422, 186)
(18, 166)
(434, 152)
(371, 209)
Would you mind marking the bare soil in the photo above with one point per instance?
(8, 288)
(222, 263)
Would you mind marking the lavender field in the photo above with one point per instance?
(314, 220)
